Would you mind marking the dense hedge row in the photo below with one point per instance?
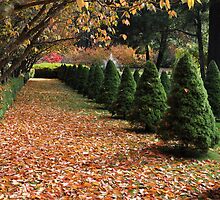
(186, 119)
(8, 92)
(45, 73)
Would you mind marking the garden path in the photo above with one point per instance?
(54, 144)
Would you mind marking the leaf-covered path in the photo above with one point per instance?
(55, 145)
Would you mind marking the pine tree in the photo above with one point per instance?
(136, 75)
(165, 81)
(189, 120)
(150, 99)
(83, 78)
(88, 91)
(125, 95)
(109, 89)
(97, 82)
(212, 85)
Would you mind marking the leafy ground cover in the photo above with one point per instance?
(56, 145)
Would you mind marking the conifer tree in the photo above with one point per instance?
(97, 82)
(150, 99)
(189, 120)
(109, 89)
(125, 95)
(136, 75)
(212, 85)
(83, 78)
(79, 75)
(88, 91)
(165, 81)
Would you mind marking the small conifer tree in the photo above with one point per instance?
(83, 80)
(165, 81)
(88, 91)
(97, 82)
(109, 89)
(212, 85)
(189, 120)
(136, 75)
(150, 99)
(125, 95)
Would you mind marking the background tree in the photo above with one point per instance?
(214, 32)
(150, 99)
(212, 85)
(189, 119)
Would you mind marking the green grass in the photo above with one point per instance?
(48, 65)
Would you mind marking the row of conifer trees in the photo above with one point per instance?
(178, 112)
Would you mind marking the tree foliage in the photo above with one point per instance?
(212, 85)
(150, 99)
(125, 95)
(109, 89)
(165, 80)
(189, 119)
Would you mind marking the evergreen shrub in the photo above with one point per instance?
(150, 99)
(189, 121)
(212, 85)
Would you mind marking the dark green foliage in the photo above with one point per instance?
(72, 77)
(150, 99)
(189, 121)
(136, 75)
(165, 81)
(97, 82)
(82, 79)
(88, 91)
(125, 94)
(79, 77)
(46, 73)
(212, 85)
(109, 89)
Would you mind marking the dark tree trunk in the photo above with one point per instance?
(163, 45)
(214, 32)
(147, 53)
(200, 44)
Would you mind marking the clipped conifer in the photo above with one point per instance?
(136, 75)
(109, 89)
(150, 99)
(88, 89)
(165, 81)
(97, 82)
(212, 85)
(82, 81)
(125, 96)
(189, 121)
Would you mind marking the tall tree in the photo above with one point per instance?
(214, 32)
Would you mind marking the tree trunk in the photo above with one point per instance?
(163, 45)
(214, 32)
(200, 44)
(147, 53)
